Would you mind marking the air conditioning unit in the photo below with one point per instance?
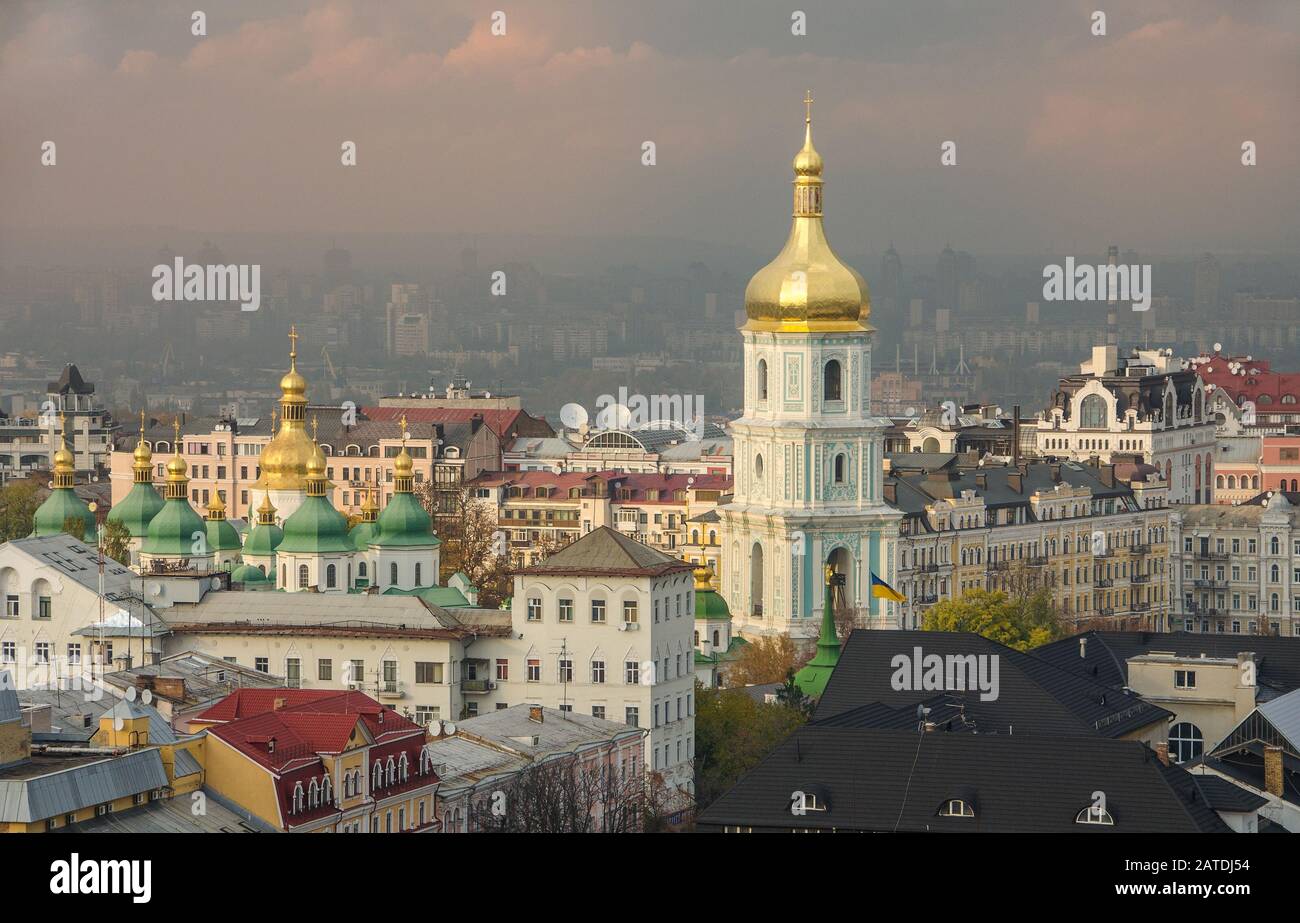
(622, 626)
(353, 687)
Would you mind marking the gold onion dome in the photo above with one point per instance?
(703, 578)
(807, 288)
(284, 460)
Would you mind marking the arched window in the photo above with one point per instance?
(839, 468)
(955, 807)
(361, 570)
(403, 768)
(758, 468)
(1094, 814)
(378, 776)
(302, 576)
(392, 770)
(832, 382)
(1273, 575)
(1274, 547)
(284, 575)
(417, 574)
(1169, 409)
(392, 573)
(331, 576)
(1185, 742)
(1092, 412)
(326, 789)
(762, 379)
(313, 794)
(717, 638)
(299, 798)
(1218, 481)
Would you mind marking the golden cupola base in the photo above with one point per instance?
(807, 288)
(285, 458)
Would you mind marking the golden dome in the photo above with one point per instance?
(176, 468)
(143, 457)
(216, 507)
(807, 288)
(403, 466)
(284, 460)
(316, 463)
(703, 578)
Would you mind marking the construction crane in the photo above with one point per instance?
(329, 364)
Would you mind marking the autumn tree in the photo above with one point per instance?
(18, 503)
(733, 733)
(1019, 622)
(117, 542)
(76, 527)
(564, 795)
(766, 660)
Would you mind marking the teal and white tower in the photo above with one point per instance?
(808, 453)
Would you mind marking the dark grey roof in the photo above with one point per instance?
(1034, 696)
(877, 779)
(36, 795)
(1107, 653)
(172, 815)
(1222, 795)
(70, 382)
(607, 551)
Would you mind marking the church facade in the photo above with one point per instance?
(808, 453)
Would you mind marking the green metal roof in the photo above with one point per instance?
(222, 535)
(61, 504)
(404, 523)
(709, 604)
(137, 509)
(263, 540)
(315, 528)
(171, 531)
(812, 679)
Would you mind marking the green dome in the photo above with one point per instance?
(315, 528)
(171, 532)
(710, 605)
(263, 540)
(61, 504)
(362, 534)
(250, 576)
(137, 509)
(404, 523)
(222, 535)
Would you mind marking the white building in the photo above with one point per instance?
(604, 627)
(808, 453)
(1144, 402)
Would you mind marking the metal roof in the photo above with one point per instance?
(83, 785)
(1284, 714)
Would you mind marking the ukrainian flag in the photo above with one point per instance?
(882, 590)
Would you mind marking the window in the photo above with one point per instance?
(417, 574)
(292, 672)
(302, 576)
(566, 610)
(534, 609)
(426, 714)
(598, 611)
(762, 379)
(1094, 814)
(629, 611)
(631, 672)
(43, 610)
(325, 669)
(534, 671)
(1185, 742)
(832, 383)
(1184, 679)
(1092, 412)
(632, 716)
(428, 672)
(503, 669)
(355, 672)
(8, 651)
(566, 671)
(598, 711)
(11, 606)
(392, 573)
(955, 807)
(598, 671)
(74, 653)
(839, 468)
(262, 664)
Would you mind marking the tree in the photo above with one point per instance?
(76, 527)
(117, 542)
(18, 503)
(563, 795)
(1020, 622)
(733, 733)
(766, 660)
(791, 696)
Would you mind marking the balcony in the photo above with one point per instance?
(1141, 578)
(757, 611)
(1038, 560)
(928, 568)
(1203, 583)
(1141, 607)
(477, 686)
(390, 689)
(1139, 549)
(925, 600)
(999, 565)
(1210, 555)
(1105, 582)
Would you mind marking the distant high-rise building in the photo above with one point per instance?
(891, 277)
(1205, 285)
(338, 267)
(947, 279)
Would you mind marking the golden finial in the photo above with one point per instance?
(293, 346)
(313, 428)
(142, 425)
(830, 572)
(274, 417)
(807, 102)
(403, 422)
(176, 428)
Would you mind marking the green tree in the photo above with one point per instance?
(1019, 622)
(76, 527)
(18, 503)
(791, 696)
(733, 732)
(117, 542)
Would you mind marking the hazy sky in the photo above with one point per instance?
(1063, 139)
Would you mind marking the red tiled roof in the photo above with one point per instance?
(502, 422)
(1258, 380)
(243, 703)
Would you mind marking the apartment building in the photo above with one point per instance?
(1081, 530)
(69, 411)
(538, 511)
(1236, 569)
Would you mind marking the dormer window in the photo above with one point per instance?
(812, 803)
(1095, 814)
(956, 807)
(299, 799)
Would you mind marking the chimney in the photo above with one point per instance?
(475, 422)
(1083, 645)
(1162, 752)
(1015, 435)
(279, 703)
(535, 713)
(1015, 480)
(1273, 770)
(1108, 475)
(1056, 472)
(891, 492)
(982, 480)
(270, 745)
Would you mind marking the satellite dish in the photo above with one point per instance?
(146, 697)
(448, 728)
(130, 693)
(216, 583)
(1218, 347)
(118, 724)
(155, 589)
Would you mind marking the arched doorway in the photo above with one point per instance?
(756, 580)
(841, 562)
